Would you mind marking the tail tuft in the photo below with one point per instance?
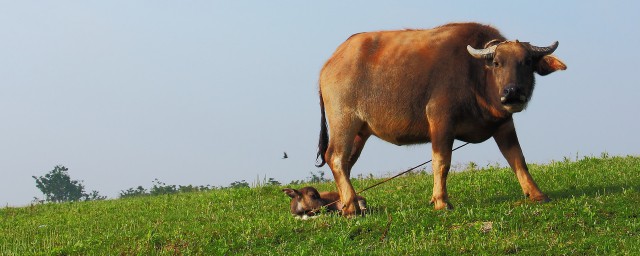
(323, 142)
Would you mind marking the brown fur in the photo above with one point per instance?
(419, 86)
(308, 201)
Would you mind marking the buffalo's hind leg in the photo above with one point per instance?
(344, 148)
(358, 145)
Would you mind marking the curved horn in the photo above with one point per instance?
(493, 42)
(542, 51)
(486, 53)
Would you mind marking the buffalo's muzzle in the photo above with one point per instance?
(512, 95)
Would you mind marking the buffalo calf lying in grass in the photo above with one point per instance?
(307, 202)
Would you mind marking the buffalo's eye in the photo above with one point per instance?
(496, 63)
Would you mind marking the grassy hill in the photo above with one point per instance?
(595, 210)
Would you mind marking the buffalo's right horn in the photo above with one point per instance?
(486, 53)
(541, 51)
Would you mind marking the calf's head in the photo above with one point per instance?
(510, 66)
(305, 201)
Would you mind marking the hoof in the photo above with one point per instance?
(351, 213)
(439, 204)
(540, 198)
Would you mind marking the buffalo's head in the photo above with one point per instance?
(510, 66)
(304, 202)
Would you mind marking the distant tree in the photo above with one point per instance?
(207, 187)
(317, 178)
(192, 188)
(161, 188)
(239, 184)
(472, 166)
(57, 186)
(295, 182)
(131, 192)
(187, 188)
(273, 182)
(94, 196)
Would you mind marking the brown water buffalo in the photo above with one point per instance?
(459, 81)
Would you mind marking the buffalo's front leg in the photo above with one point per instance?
(441, 145)
(507, 141)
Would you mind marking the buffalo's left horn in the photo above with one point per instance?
(541, 51)
(486, 53)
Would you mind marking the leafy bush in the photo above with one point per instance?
(57, 186)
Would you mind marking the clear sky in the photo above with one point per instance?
(211, 92)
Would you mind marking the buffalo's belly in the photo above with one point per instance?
(401, 140)
(401, 134)
(411, 139)
(419, 133)
(474, 133)
(472, 138)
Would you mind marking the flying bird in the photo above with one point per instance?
(285, 156)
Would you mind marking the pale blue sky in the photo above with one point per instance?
(209, 92)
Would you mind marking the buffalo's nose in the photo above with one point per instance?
(509, 91)
(512, 94)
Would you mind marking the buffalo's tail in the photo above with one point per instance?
(323, 142)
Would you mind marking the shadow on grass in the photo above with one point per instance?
(567, 193)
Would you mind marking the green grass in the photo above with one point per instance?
(595, 211)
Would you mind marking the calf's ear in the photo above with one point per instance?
(291, 192)
(549, 64)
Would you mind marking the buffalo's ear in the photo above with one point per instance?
(291, 192)
(549, 64)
